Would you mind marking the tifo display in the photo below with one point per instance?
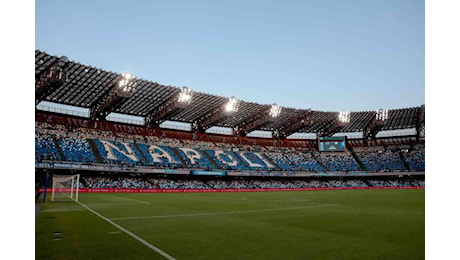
(171, 153)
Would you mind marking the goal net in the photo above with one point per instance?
(65, 187)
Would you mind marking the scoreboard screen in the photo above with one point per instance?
(332, 144)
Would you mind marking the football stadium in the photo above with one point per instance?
(128, 168)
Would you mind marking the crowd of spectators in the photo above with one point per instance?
(76, 149)
(338, 162)
(57, 142)
(380, 159)
(65, 131)
(296, 161)
(397, 183)
(45, 148)
(161, 183)
(128, 160)
(416, 160)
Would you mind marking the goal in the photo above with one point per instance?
(65, 187)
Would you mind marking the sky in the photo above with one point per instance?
(356, 55)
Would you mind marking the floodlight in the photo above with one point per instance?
(126, 82)
(381, 114)
(275, 110)
(127, 76)
(185, 95)
(232, 105)
(344, 116)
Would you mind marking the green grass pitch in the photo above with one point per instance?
(343, 224)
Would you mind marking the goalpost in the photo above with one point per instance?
(65, 187)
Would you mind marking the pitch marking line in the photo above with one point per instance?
(133, 200)
(246, 199)
(154, 248)
(224, 213)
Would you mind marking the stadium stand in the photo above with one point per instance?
(377, 159)
(339, 162)
(45, 148)
(290, 161)
(175, 153)
(76, 149)
(161, 183)
(416, 158)
(118, 152)
(160, 156)
(89, 138)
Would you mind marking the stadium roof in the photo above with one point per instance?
(86, 86)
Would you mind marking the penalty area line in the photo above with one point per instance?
(133, 200)
(225, 212)
(154, 248)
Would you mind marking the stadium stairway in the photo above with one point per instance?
(61, 153)
(96, 153)
(271, 161)
(182, 161)
(355, 156)
(406, 165)
(211, 160)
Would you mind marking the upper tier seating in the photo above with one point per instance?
(339, 162)
(76, 149)
(88, 147)
(380, 160)
(45, 148)
(416, 160)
